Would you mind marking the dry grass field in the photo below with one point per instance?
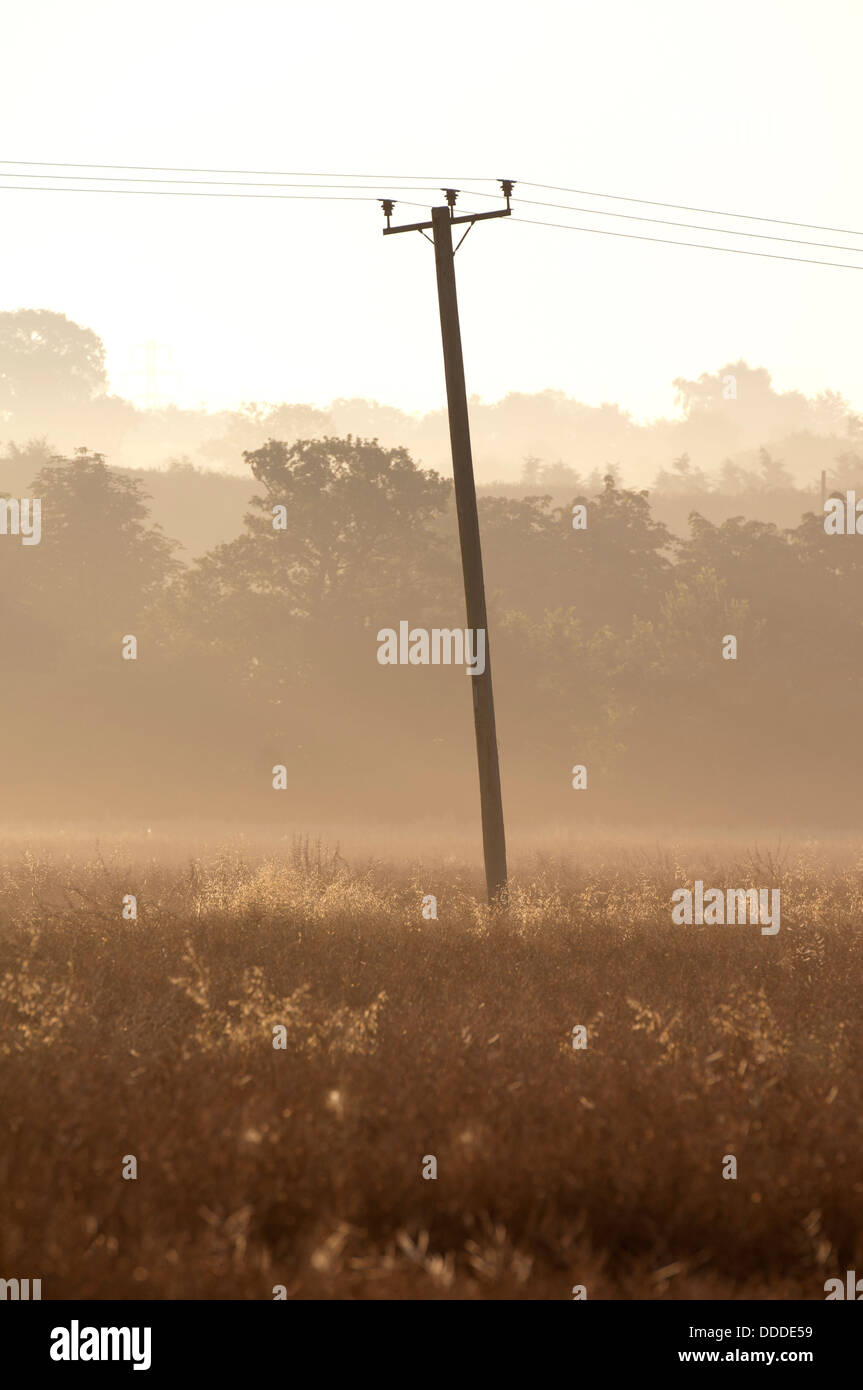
(409, 1037)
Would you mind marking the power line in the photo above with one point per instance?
(694, 226)
(188, 193)
(332, 189)
(435, 179)
(265, 173)
(225, 183)
(696, 245)
(369, 198)
(682, 207)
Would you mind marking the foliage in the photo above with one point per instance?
(407, 1037)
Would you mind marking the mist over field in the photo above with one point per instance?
(256, 604)
(244, 942)
(54, 385)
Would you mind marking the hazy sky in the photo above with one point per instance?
(748, 105)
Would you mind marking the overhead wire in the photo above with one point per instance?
(343, 193)
(265, 173)
(435, 179)
(683, 207)
(190, 193)
(331, 189)
(690, 226)
(695, 245)
(226, 183)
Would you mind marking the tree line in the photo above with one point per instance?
(606, 644)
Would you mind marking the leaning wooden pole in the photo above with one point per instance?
(494, 842)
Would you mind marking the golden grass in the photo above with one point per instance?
(409, 1037)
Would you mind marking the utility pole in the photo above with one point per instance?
(151, 371)
(491, 804)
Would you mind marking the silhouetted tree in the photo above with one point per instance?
(47, 361)
(100, 562)
(354, 541)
